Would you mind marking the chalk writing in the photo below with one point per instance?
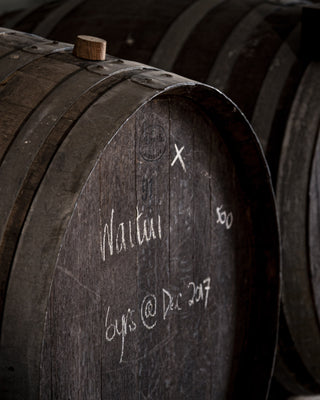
(150, 314)
(127, 325)
(198, 292)
(148, 310)
(170, 303)
(117, 238)
(224, 218)
(179, 157)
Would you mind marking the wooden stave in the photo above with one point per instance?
(253, 146)
(299, 289)
(296, 379)
(9, 243)
(184, 65)
(275, 115)
(12, 216)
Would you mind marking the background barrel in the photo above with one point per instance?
(263, 55)
(125, 193)
(250, 50)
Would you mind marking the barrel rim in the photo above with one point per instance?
(31, 352)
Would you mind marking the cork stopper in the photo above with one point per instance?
(90, 48)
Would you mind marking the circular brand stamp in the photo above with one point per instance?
(152, 143)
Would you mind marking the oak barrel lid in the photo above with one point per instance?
(134, 245)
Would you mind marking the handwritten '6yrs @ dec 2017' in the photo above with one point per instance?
(148, 315)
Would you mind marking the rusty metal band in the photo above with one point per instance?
(272, 87)
(173, 41)
(87, 138)
(38, 127)
(46, 26)
(55, 202)
(26, 51)
(292, 195)
(227, 57)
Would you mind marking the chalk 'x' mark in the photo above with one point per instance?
(178, 157)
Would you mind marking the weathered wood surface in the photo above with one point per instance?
(296, 191)
(257, 52)
(242, 48)
(125, 272)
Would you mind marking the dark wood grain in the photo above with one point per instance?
(253, 52)
(62, 95)
(128, 274)
(314, 226)
(295, 166)
(169, 353)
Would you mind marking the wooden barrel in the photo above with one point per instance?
(262, 55)
(139, 238)
(247, 49)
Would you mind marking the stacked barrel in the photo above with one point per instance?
(262, 55)
(125, 270)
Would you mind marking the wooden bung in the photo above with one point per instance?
(138, 234)
(262, 55)
(90, 48)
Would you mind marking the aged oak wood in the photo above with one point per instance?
(125, 273)
(259, 53)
